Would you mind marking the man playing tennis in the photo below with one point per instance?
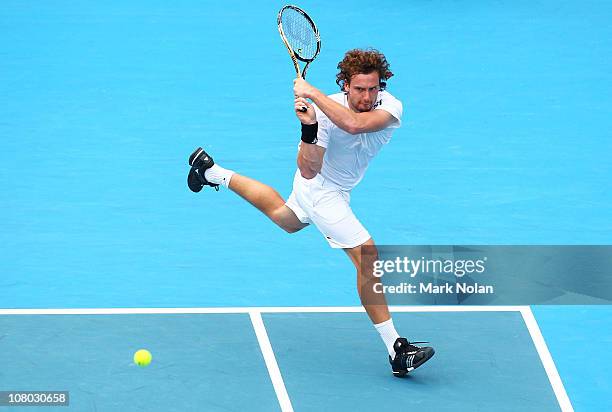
(341, 133)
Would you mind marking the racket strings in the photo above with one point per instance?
(300, 34)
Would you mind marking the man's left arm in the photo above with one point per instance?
(343, 117)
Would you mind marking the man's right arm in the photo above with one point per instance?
(310, 159)
(310, 155)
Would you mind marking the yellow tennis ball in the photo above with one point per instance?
(142, 357)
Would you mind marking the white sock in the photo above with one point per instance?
(218, 175)
(388, 334)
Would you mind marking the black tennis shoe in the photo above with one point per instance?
(199, 162)
(408, 356)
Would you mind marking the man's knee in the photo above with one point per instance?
(369, 256)
(286, 220)
(368, 252)
(363, 256)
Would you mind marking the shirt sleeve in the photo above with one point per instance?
(393, 106)
(324, 127)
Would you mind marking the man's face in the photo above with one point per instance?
(362, 91)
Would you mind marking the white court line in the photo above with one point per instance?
(530, 322)
(268, 354)
(547, 360)
(303, 309)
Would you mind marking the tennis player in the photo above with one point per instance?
(341, 134)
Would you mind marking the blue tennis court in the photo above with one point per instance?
(104, 250)
(211, 360)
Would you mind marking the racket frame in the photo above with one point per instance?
(294, 56)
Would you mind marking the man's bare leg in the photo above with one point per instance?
(267, 200)
(374, 303)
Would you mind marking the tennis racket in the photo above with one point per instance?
(301, 36)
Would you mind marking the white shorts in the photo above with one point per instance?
(321, 202)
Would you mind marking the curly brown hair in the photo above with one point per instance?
(363, 61)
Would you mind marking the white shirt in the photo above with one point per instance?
(347, 155)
